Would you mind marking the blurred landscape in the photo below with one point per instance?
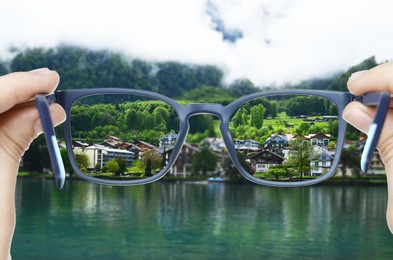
(186, 83)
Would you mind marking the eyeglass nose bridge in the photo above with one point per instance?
(197, 109)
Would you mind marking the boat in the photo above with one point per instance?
(215, 179)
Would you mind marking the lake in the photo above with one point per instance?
(168, 220)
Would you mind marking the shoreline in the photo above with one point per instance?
(368, 180)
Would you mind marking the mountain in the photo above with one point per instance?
(340, 83)
(84, 68)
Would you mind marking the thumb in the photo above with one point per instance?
(20, 126)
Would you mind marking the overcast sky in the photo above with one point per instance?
(267, 41)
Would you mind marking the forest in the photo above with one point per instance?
(186, 83)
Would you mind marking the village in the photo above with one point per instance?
(260, 156)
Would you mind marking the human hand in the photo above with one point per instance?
(378, 79)
(19, 125)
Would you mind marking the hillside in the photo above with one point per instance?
(84, 68)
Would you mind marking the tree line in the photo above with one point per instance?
(146, 120)
(84, 68)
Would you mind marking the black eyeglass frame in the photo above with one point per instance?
(66, 99)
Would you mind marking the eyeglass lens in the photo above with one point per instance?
(286, 137)
(122, 137)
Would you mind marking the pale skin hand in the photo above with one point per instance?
(378, 79)
(19, 125)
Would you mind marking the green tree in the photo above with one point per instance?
(303, 128)
(153, 157)
(132, 119)
(257, 115)
(112, 166)
(276, 172)
(201, 124)
(305, 105)
(82, 160)
(209, 94)
(350, 159)
(300, 157)
(231, 171)
(122, 165)
(204, 160)
(273, 109)
(340, 83)
(148, 168)
(240, 117)
(36, 158)
(242, 87)
(245, 163)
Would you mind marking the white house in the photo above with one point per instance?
(100, 155)
(167, 142)
(322, 162)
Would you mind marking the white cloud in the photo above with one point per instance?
(282, 40)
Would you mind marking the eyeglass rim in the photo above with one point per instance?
(66, 98)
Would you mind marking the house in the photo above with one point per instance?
(167, 142)
(247, 145)
(144, 146)
(215, 144)
(134, 149)
(265, 159)
(112, 141)
(183, 163)
(79, 144)
(319, 139)
(276, 142)
(321, 161)
(327, 118)
(99, 155)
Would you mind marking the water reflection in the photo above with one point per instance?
(164, 220)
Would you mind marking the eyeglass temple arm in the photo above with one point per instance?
(382, 102)
(42, 102)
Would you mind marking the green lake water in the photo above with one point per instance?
(199, 221)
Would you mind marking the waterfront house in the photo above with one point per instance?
(265, 159)
(183, 164)
(100, 155)
(321, 162)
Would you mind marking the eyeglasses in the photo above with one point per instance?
(276, 138)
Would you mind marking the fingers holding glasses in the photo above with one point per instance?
(20, 124)
(377, 79)
(20, 87)
(362, 117)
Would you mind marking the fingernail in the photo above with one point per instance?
(357, 75)
(41, 71)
